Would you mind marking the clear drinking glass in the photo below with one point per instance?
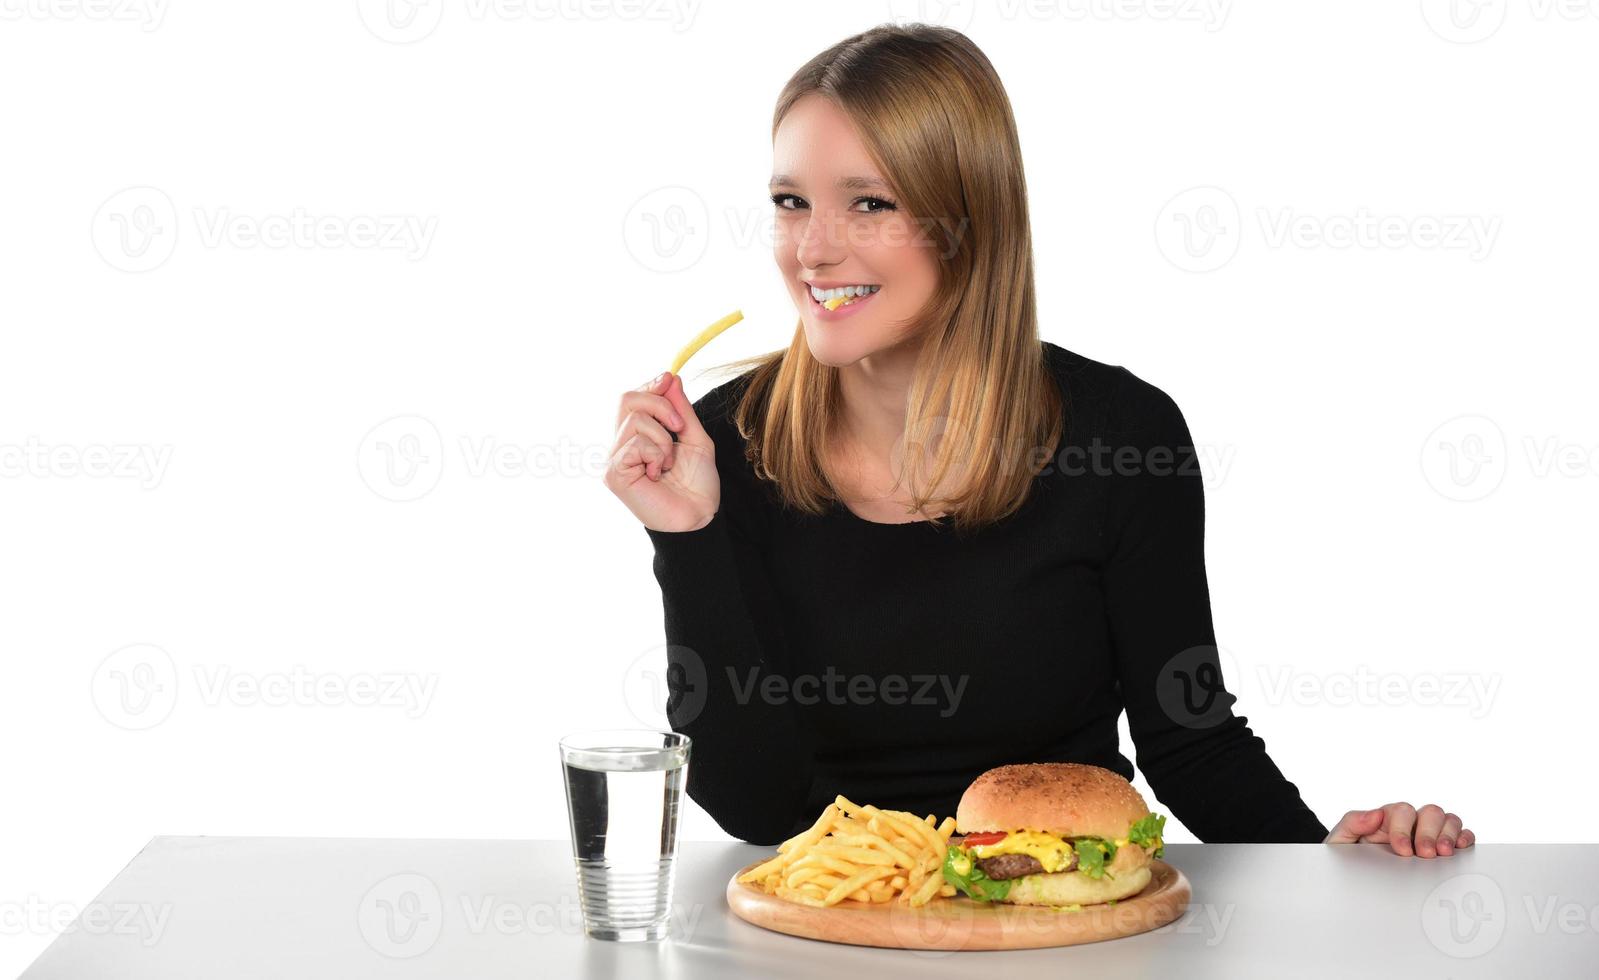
(622, 792)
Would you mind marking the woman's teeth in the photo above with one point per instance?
(841, 296)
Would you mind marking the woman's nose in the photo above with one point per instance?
(821, 241)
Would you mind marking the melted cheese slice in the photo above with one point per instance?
(1051, 851)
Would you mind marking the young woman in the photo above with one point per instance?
(919, 542)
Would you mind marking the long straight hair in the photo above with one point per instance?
(983, 411)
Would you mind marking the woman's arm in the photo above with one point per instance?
(1201, 760)
(752, 760)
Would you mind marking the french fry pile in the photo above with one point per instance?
(860, 853)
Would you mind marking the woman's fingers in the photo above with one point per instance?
(690, 431)
(1429, 825)
(1447, 835)
(642, 421)
(1428, 832)
(1401, 821)
(643, 424)
(650, 400)
(634, 455)
(1355, 826)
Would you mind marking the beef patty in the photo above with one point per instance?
(1003, 866)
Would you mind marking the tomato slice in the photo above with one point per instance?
(987, 837)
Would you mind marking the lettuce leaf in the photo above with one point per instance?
(1093, 853)
(1148, 831)
(972, 882)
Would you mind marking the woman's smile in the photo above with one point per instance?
(837, 301)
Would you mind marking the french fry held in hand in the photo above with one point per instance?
(862, 854)
(705, 337)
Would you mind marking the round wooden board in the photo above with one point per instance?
(961, 924)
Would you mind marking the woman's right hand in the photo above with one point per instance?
(669, 486)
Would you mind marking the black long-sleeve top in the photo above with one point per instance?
(893, 663)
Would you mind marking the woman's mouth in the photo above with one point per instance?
(834, 304)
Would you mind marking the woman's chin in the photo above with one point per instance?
(832, 350)
(841, 344)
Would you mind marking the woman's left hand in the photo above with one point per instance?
(1436, 833)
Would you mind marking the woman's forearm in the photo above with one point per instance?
(752, 760)
(1224, 787)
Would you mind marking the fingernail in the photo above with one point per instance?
(677, 420)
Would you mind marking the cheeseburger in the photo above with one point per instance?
(1052, 833)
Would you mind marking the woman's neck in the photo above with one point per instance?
(874, 392)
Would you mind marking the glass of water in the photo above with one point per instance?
(622, 792)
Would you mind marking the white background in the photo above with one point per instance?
(518, 212)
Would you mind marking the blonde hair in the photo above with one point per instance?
(936, 119)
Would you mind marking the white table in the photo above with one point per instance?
(218, 907)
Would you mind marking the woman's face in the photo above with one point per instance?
(839, 225)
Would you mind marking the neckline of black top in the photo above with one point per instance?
(842, 511)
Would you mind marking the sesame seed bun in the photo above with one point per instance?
(1064, 798)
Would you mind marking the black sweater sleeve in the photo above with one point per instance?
(752, 761)
(1202, 761)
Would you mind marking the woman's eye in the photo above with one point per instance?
(882, 204)
(861, 205)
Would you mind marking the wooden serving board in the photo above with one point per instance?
(961, 924)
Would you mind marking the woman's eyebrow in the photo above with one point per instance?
(844, 183)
